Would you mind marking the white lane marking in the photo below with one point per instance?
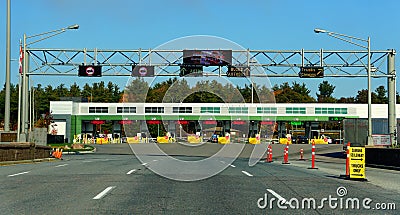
(62, 165)
(222, 161)
(104, 192)
(155, 160)
(144, 164)
(87, 161)
(277, 196)
(246, 173)
(21, 173)
(131, 171)
(232, 165)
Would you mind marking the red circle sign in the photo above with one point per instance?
(90, 71)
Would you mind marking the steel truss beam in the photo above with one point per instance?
(271, 63)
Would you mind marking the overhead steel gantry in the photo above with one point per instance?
(263, 63)
(274, 63)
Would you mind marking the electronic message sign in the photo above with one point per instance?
(142, 71)
(207, 57)
(191, 70)
(335, 118)
(89, 71)
(238, 71)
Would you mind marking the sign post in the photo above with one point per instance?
(357, 163)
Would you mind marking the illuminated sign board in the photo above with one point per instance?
(267, 123)
(296, 123)
(191, 70)
(97, 122)
(142, 71)
(335, 118)
(207, 57)
(89, 71)
(238, 71)
(183, 122)
(153, 122)
(210, 122)
(238, 122)
(311, 72)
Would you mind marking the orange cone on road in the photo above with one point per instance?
(286, 154)
(60, 154)
(268, 159)
(53, 154)
(313, 156)
(301, 155)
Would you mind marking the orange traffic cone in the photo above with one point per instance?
(60, 154)
(53, 154)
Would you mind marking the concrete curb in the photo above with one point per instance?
(383, 167)
(80, 152)
(4, 163)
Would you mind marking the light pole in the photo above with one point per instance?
(8, 59)
(24, 100)
(368, 47)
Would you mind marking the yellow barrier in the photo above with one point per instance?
(100, 140)
(194, 139)
(318, 141)
(224, 140)
(254, 140)
(132, 139)
(165, 139)
(284, 141)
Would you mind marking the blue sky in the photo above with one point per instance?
(254, 24)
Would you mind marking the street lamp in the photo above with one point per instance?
(368, 47)
(24, 100)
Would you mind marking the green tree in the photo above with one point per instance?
(136, 91)
(74, 90)
(61, 91)
(265, 95)
(325, 93)
(232, 94)
(298, 93)
(157, 92)
(113, 91)
(362, 97)
(381, 97)
(346, 100)
(13, 106)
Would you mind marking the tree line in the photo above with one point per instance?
(179, 91)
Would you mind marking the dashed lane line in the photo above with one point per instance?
(21, 173)
(232, 165)
(61, 165)
(131, 171)
(104, 192)
(246, 173)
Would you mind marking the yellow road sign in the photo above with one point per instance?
(357, 162)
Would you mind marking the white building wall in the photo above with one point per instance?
(358, 110)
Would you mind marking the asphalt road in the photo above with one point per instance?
(114, 181)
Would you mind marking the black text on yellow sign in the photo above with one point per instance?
(357, 162)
